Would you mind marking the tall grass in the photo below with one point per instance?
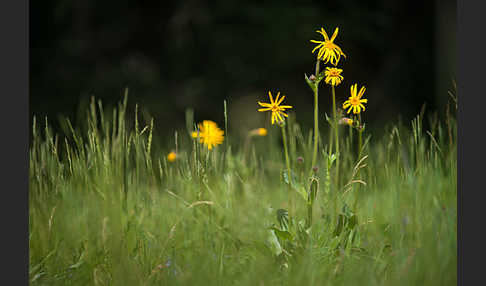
(107, 208)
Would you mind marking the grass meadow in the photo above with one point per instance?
(108, 207)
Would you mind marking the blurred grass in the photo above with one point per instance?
(107, 208)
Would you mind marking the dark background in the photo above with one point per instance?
(174, 55)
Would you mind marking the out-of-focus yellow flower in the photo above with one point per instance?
(328, 51)
(258, 132)
(355, 102)
(333, 76)
(209, 134)
(262, 131)
(171, 157)
(275, 107)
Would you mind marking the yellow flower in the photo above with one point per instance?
(258, 132)
(172, 156)
(328, 51)
(262, 132)
(333, 75)
(275, 107)
(209, 134)
(355, 102)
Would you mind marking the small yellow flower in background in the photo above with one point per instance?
(262, 131)
(355, 102)
(275, 107)
(328, 51)
(333, 76)
(172, 156)
(258, 132)
(209, 134)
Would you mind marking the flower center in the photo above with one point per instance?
(334, 73)
(329, 45)
(354, 100)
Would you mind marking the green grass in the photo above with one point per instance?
(106, 208)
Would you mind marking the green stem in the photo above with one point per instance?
(316, 119)
(336, 133)
(287, 162)
(360, 131)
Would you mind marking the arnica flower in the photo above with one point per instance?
(209, 134)
(258, 132)
(355, 102)
(328, 51)
(275, 107)
(171, 157)
(333, 76)
(262, 132)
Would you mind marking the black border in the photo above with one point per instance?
(471, 165)
(14, 90)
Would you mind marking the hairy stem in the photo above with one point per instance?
(336, 133)
(287, 162)
(316, 119)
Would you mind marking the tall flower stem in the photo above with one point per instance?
(287, 163)
(336, 133)
(316, 118)
(360, 131)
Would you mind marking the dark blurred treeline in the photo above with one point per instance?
(174, 55)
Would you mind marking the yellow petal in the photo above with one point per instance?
(276, 99)
(281, 99)
(361, 92)
(271, 98)
(318, 46)
(264, 109)
(264, 104)
(285, 106)
(334, 34)
(324, 34)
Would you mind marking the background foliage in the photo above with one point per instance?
(179, 54)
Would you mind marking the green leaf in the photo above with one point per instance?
(273, 244)
(313, 189)
(312, 84)
(282, 234)
(283, 219)
(286, 177)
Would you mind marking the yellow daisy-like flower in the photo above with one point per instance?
(209, 134)
(333, 76)
(328, 51)
(275, 107)
(355, 102)
(171, 157)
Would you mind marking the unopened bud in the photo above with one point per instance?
(312, 77)
(315, 169)
(347, 121)
(300, 160)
